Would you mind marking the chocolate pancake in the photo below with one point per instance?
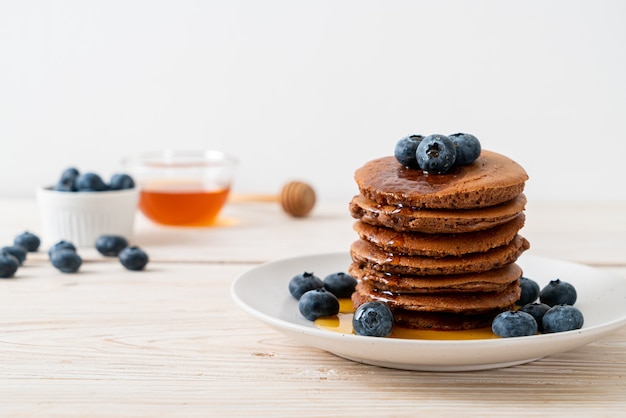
(452, 302)
(368, 255)
(439, 245)
(444, 321)
(489, 281)
(406, 218)
(430, 311)
(490, 180)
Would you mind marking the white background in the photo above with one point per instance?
(312, 89)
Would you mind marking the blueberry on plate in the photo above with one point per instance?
(133, 258)
(537, 310)
(562, 318)
(558, 292)
(405, 150)
(66, 261)
(61, 245)
(302, 283)
(16, 251)
(436, 154)
(467, 148)
(28, 240)
(514, 324)
(90, 182)
(530, 291)
(8, 265)
(318, 303)
(111, 245)
(121, 182)
(340, 284)
(373, 319)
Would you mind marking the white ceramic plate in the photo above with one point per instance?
(263, 292)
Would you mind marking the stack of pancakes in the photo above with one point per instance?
(439, 249)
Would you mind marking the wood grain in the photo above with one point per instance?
(170, 341)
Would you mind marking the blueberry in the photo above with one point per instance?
(121, 182)
(133, 258)
(562, 318)
(514, 324)
(67, 181)
(530, 291)
(8, 265)
(558, 293)
(340, 284)
(302, 283)
(61, 245)
(467, 148)
(537, 310)
(436, 153)
(373, 319)
(90, 182)
(70, 173)
(318, 303)
(405, 150)
(16, 251)
(67, 261)
(111, 245)
(28, 240)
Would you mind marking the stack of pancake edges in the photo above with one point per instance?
(439, 249)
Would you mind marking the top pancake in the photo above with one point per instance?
(490, 180)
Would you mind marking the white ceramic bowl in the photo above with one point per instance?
(81, 217)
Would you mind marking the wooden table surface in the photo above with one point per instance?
(170, 341)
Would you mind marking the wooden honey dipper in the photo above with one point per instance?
(296, 198)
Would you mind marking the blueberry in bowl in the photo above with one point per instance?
(80, 207)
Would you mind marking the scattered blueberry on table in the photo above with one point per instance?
(61, 245)
(8, 265)
(133, 258)
(66, 260)
(110, 245)
(28, 240)
(16, 251)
